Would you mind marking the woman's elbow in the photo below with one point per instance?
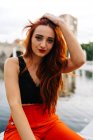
(81, 62)
(83, 59)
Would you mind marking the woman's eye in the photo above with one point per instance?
(39, 38)
(50, 40)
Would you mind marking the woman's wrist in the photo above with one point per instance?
(60, 22)
(63, 26)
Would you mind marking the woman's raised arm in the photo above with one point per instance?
(77, 57)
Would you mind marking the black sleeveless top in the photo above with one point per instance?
(30, 93)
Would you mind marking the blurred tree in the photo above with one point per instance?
(89, 50)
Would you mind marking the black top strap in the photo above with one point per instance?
(22, 64)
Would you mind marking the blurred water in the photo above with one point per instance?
(76, 111)
(4, 108)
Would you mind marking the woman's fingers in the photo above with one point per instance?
(53, 18)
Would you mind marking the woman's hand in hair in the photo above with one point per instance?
(56, 20)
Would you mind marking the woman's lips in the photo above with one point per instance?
(42, 51)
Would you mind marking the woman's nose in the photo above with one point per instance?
(43, 43)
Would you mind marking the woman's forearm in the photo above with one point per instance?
(21, 123)
(76, 53)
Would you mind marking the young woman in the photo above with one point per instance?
(33, 80)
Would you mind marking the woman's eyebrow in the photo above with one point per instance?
(39, 35)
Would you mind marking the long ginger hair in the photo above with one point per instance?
(50, 68)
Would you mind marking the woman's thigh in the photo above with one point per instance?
(14, 136)
(61, 132)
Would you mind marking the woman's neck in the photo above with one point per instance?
(34, 61)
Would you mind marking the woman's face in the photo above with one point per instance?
(42, 40)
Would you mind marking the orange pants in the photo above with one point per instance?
(43, 125)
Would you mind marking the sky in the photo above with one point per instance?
(14, 15)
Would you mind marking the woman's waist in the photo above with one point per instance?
(36, 114)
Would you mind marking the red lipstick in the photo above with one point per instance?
(42, 51)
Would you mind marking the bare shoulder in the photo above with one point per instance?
(11, 60)
(11, 64)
